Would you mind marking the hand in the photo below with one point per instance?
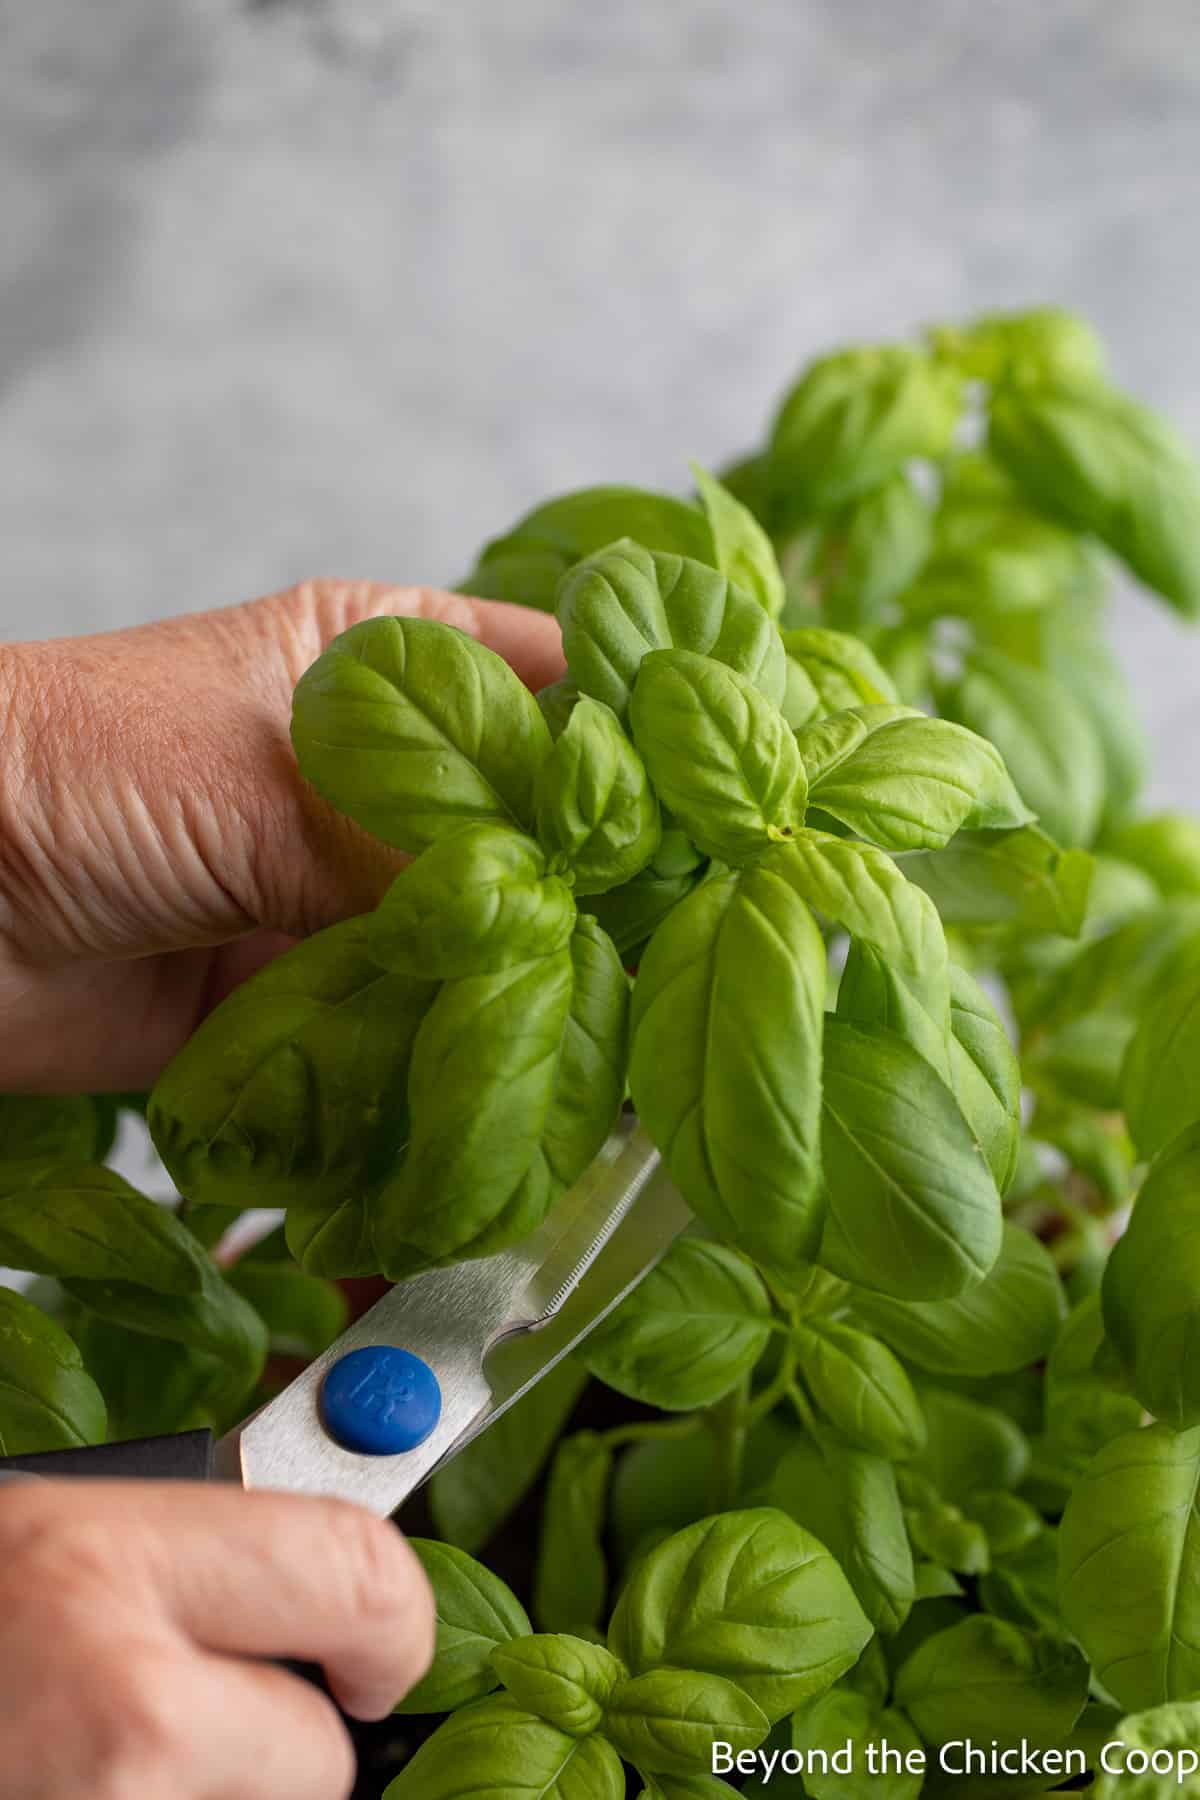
(129, 1613)
(157, 842)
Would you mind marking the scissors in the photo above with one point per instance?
(437, 1360)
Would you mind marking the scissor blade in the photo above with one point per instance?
(453, 1318)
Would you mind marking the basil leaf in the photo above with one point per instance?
(1010, 1523)
(1006, 1321)
(739, 1130)
(562, 1679)
(825, 743)
(516, 1079)
(688, 1333)
(595, 808)
(1160, 1089)
(151, 1390)
(1105, 465)
(912, 1207)
(985, 1076)
(557, 702)
(572, 1577)
(48, 1128)
(912, 783)
(854, 418)
(842, 1720)
(748, 1596)
(1174, 1730)
(1128, 1545)
(840, 667)
(617, 606)
(1044, 736)
(497, 1748)
(986, 1680)
(1020, 878)
(660, 1486)
(302, 1313)
(718, 752)
(969, 1447)
(1023, 1587)
(862, 889)
(742, 548)
(527, 563)
(476, 1614)
(632, 913)
(293, 1090)
(848, 1500)
(860, 1387)
(994, 558)
(413, 729)
(1048, 343)
(474, 1493)
(87, 1222)
(850, 562)
(48, 1401)
(942, 1532)
(1151, 1289)
(473, 903)
(687, 1787)
(873, 992)
(1083, 662)
(1167, 847)
(668, 1720)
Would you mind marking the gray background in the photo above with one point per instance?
(295, 287)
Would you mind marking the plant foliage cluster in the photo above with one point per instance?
(840, 795)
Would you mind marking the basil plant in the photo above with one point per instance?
(827, 855)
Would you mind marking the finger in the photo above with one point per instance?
(276, 1575)
(252, 1732)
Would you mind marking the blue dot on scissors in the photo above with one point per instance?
(380, 1400)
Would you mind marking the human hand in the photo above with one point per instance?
(157, 843)
(130, 1617)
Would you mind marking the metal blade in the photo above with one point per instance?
(453, 1318)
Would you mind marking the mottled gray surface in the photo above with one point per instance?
(338, 286)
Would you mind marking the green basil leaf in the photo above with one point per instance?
(987, 1680)
(1166, 1738)
(746, 1595)
(718, 752)
(1160, 1087)
(943, 1532)
(476, 1614)
(516, 1079)
(848, 1500)
(496, 1748)
(333, 1241)
(854, 418)
(302, 1313)
(660, 1486)
(1128, 1546)
(912, 1207)
(1105, 465)
(841, 668)
(572, 1576)
(557, 702)
(689, 1332)
(916, 1008)
(1167, 847)
(687, 1787)
(913, 782)
(994, 558)
(860, 1387)
(154, 1389)
(473, 903)
(739, 1130)
(1082, 1411)
(1044, 736)
(825, 743)
(48, 1401)
(617, 606)
(1151, 1289)
(527, 563)
(1020, 878)
(985, 1076)
(668, 1720)
(742, 548)
(632, 913)
(936, 1583)
(472, 1494)
(1011, 1523)
(87, 1222)
(863, 890)
(48, 1128)
(844, 1726)
(413, 729)
(1023, 1586)
(969, 1447)
(1082, 661)
(1006, 1321)
(595, 808)
(562, 1679)
(293, 1090)
(848, 563)
(1048, 343)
